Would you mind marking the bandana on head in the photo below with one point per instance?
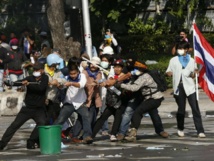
(140, 65)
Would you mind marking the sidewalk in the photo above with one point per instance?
(168, 107)
(11, 102)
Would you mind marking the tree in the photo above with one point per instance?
(20, 14)
(177, 13)
(56, 19)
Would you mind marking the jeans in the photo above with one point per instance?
(79, 123)
(66, 112)
(132, 106)
(1, 80)
(126, 119)
(25, 114)
(15, 77)
(181, 102)
(144, 107)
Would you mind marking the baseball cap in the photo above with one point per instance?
(118, 62)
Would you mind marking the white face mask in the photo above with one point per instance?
(36, 74)
(180, 51)
(14, 47)
(104, 64)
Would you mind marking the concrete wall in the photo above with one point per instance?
(11, 102)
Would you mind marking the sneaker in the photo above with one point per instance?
(63, 145)
(120, 137)
(113, 138)
(132, 135)
(87, 140)
(164, 134)
(105, 133)
(76, 140)
(130, 138)
(201, 135)
(180, 133)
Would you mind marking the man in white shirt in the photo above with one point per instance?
(74, 102)
(182, 70)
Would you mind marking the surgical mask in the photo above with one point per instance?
(180, 51)
(36, 74)
(104, 64)
(14, 47)
(136, 72)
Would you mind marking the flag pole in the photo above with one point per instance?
(196, 74)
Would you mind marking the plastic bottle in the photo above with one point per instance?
(115, 90)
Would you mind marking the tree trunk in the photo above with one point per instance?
(56, 19)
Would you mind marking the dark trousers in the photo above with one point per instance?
(156, 120)
(78, 126)
(25, 114)
(53, 110)
(181, 102)
(117, 112)
(149, 106)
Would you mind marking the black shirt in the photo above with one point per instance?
(5, 56)
(36, 93)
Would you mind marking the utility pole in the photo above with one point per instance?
(87, 27)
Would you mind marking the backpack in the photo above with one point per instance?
(112, 99)
(159, 78)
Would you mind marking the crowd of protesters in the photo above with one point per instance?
(84, 92)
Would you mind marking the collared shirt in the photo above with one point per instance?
(77, 96)
(179, 73)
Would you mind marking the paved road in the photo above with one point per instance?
(148, 146)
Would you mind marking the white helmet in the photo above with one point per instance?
(108, 50)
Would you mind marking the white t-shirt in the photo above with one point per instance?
(77, 96)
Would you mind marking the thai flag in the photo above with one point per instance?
(204, 55)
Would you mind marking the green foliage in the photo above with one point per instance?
(178, 7)
(114, 15)
(147, 44)
(138, 27)
(151, 26)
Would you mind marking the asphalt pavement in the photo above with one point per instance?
(148, 145)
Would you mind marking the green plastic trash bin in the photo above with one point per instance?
(50, 139)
